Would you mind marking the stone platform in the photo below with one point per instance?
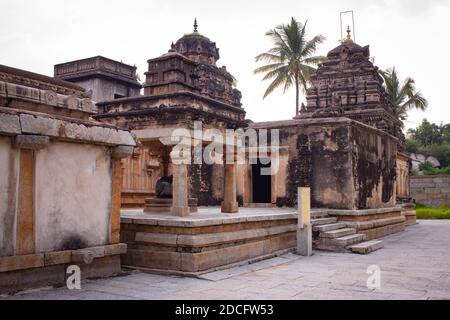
(373, 223)
(22, 272)
(206, 240)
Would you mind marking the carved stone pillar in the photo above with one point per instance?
(229, 204)
(180, 206)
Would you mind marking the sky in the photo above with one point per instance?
(411, 35)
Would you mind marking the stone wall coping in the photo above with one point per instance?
(211, 220)
(44, 259)
(16, 122)
(10, 90)
(362, 212)
(317, 122)
(215, 102)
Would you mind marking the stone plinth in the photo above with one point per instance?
(163, 205)
(374, 223)
(206, 240)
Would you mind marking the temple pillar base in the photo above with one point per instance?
(230, 207)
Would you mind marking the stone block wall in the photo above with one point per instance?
(433, 191)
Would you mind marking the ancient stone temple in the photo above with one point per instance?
(182, 86)
(60, 181)
(189, 217)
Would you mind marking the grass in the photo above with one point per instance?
(424, 212)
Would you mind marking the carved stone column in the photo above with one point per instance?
(180, 206)
(229, 204)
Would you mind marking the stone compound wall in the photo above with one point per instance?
(433, 191)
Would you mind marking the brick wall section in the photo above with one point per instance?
(433, 191)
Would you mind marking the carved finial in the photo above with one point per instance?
(195, 25)
(172, 47)
(349, 36)
(303, 108)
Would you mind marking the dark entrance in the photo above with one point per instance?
(262, 184)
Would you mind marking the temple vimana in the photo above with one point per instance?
(88, 175)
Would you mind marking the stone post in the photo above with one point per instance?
(25, 223)
(304, 228)
(229, 204)
(180, 206)
(117, 154)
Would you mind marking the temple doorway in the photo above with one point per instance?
(262, 183)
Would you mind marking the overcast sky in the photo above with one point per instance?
(413, 35)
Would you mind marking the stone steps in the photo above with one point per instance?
(367, 246)
(323, 221)
(333, 234)
(348, 240)
(319, 214)
(329, 227)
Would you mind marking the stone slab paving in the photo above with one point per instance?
(414, 264)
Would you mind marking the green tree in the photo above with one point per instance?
(427, 133)
(291, 61)
(403, 96)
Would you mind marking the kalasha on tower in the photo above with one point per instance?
(190, 65)
(349, 85)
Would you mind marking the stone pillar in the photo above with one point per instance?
(304, 228)
(180, 190)
(28, 144)
(229, 204)
(117, 154)
(180, 207)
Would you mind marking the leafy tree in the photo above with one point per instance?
(412, 146)
(403, 96)
(427, 133)
(291, 61)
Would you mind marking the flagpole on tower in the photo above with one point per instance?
(353, 23)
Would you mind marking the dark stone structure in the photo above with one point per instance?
(349, 85)
(106, 79)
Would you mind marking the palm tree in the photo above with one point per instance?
(403, 97)
(291, 61)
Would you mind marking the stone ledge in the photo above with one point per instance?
(168, 221)
(47, 97)
(21, 262)
(13, 263)
(9, 124)
(364, 225)
(362, 212)
(211, 239)
(15, 122)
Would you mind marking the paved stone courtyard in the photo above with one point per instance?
(414, 264)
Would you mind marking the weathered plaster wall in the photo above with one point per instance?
(331, 168)
(348, 165)
(8, 184)
(374, 164)
(73, 196)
